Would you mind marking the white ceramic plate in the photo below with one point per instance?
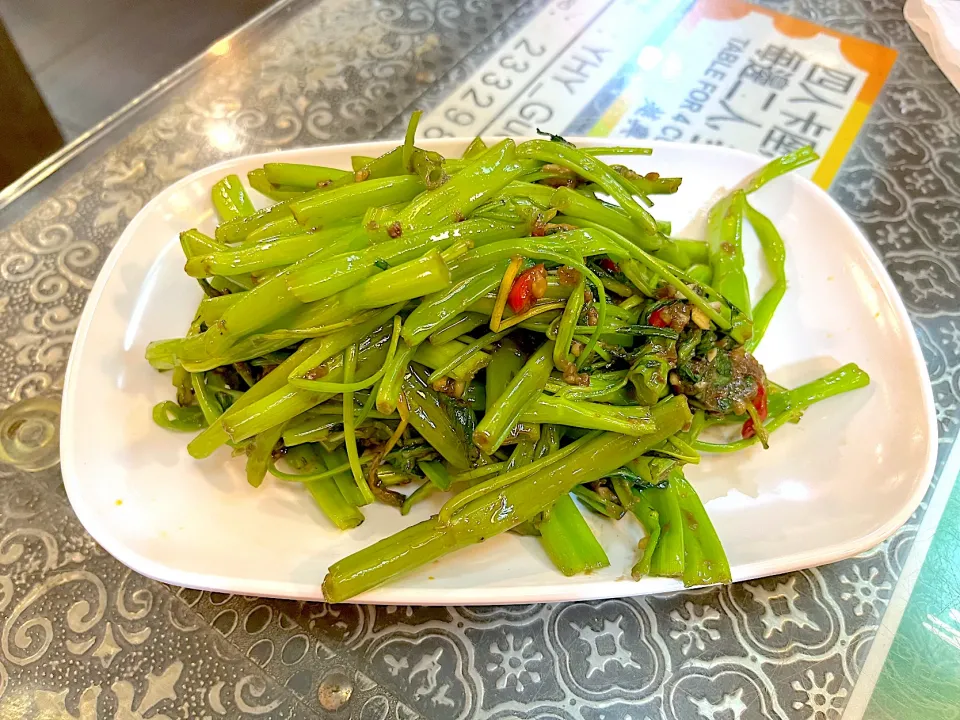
(839, 482)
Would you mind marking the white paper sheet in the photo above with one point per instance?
(936, 24)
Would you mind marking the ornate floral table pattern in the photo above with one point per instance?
(81, 636)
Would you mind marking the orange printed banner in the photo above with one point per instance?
(735, 74)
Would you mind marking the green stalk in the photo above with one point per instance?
(208, 403)
(472, 349)
(564, 534)
(475, 149)
(326, 205)
(325, 491)
(461, 324)
(288, 402)
(725, 242)
(597, 503)
(261, 453)
(668, 273)
(445, 356)
(843, 379)
(506, 410)
(265, 303)
(725, 232)
(589, 168)
(539, 195)
(357, 162)
(308, 177)
(215, 436)
(169, 415)
(604, 388)
(278, 193)
(436, 309)
(311, 321)
(522, 454)
(557, 247)
(465, 191)
(651, 184)
(415, 278)
(568, 540)
(617, 150)
(510, 474)
(343, 271)
(668, 557)
(330, 409)
(307, 430)
(241, 227)
(273, 253)
(674, 254)
(430, 167)
(775, 254)
(705, 561)
(779, 166)
(326, 494)
(649, 518)
(180, 379)
(344, 478)
(580, 207)
(388, 393)
(703, 275)
(696, 250)
(212, 308)
(349, 431)
(387, 165)
(406, 152)
(230, 199)
(495, 513)
(430, 418)
(568, 324)
(425, 490)
(193, 243)
(306, 382)
(284, 224)
(629, 420)
(505, 362)
(436, 473)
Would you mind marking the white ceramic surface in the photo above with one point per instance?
(839, 482)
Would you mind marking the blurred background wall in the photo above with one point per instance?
(65, 65)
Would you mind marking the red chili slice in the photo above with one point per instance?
(760, 401)
(760, 404)
(521, 295)
(609, 265)
(656, 318)
(530, 286)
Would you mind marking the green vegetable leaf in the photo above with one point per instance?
(555, 138)
(687, 373)
(723, 369)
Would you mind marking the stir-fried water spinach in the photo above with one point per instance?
(491, 329)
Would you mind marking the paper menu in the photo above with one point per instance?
(713, 71)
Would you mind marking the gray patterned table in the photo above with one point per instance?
(82, 636)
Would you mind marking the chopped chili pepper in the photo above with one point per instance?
(520, 298)
(609, 265)
(656, 318)
(760, 404)
(530, 286)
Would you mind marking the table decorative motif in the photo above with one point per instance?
(82, 636)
